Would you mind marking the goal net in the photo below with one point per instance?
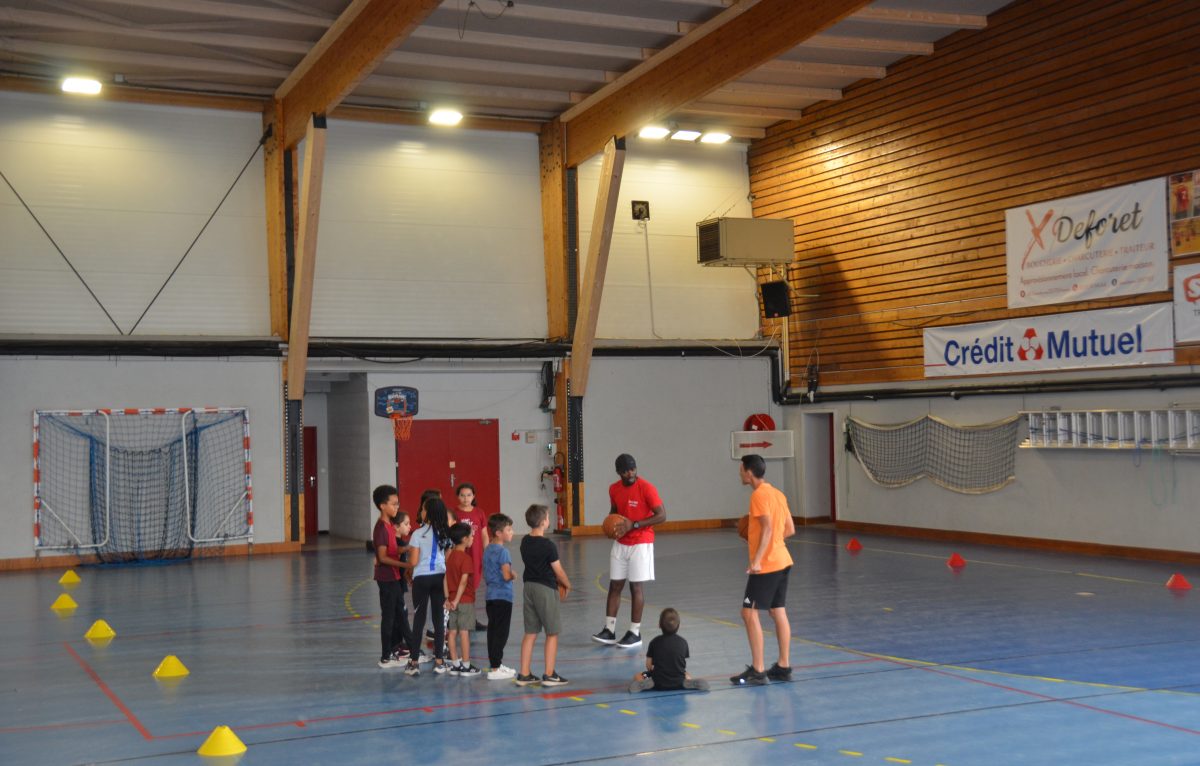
(969, 459)
(141, 484)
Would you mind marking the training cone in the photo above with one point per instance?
(222, 741)
(170, 667)
(69, 578)
(955, 561)
(100, 631)
(63, 603)
(854, 546)
(1178, 582)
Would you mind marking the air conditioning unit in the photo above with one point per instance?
(743, 241)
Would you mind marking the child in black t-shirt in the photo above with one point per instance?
(666, 660)
(543, 573)
(389, 576)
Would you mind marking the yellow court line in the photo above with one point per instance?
(897, 760)
(727, 732)
(603, 705)
(766, 739)
(854, 753)
(691, 725)
(804, 746)
(349, 593)
(627, 712)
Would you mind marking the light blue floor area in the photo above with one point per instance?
(1018, 658)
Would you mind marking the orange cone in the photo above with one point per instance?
(854, 546)
(1178, 582)
(955, 561)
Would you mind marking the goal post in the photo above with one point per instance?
(138, 484)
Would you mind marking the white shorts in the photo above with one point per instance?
(631, 562)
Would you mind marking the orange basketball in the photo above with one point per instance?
(614, 526)
(743, 527)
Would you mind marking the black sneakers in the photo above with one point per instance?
(525, 680)
(554, 679)
(630, 640)
(605, 636)
(779, 673)
(699, 684)
(749, 677)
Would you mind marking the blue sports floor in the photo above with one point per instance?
(1018, 658)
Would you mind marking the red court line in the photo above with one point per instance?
(129, 716)
(394, 711)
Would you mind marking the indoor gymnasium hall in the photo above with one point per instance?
(916, 278)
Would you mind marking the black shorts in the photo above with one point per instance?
(767, 591)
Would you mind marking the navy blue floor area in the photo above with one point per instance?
(1016, 658)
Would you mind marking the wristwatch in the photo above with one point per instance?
(635, 525)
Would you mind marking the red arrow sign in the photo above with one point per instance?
(764, 445)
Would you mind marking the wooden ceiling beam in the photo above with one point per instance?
(361, 37)
(735, 42)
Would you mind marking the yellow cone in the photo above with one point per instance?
(69, 578)
(222, 741)
(170, 667)
(99, 631)
(63, 603)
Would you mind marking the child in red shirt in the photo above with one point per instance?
(460, 600)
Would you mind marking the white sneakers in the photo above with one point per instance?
(502, 673)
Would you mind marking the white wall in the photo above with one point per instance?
(429, 233)
(1143, 499)
(674, 415)
(684, 184)
(124, 189)
(118, 382)
(349, 459)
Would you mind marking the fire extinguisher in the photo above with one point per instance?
(557, 473)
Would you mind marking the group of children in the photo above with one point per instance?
(444, 577)
(446, 560)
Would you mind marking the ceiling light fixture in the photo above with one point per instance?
(685, 135)
(653, 131)
(714, 138)
(84, 85)
(445, 117)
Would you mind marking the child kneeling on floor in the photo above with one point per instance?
(666, 660)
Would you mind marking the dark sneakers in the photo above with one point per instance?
(525, 680)
(605, 636)
(699, 684)
(779, 673)
(749, 677)
(554, 679)
(640, 685)
(630, 640)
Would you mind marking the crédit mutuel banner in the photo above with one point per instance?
(1104, 338)
(1110, 242)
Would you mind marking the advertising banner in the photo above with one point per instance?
(1184, 191)
(1098, 245)
(1103, 338)
(1187, 303)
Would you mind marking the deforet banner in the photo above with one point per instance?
(1098, 245)
(1105, 338)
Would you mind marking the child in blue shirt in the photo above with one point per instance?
(498, 574)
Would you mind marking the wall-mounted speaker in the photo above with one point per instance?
(776, 299)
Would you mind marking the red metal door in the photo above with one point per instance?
(445, 453)
(310, 484)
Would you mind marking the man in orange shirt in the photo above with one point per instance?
(770, 565)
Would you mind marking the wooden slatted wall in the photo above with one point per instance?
(898, 191)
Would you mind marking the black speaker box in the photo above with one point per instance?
(777, 301)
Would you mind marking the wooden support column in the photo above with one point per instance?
(597, 264)
(275, 157)
(554, 229)
(306, 256)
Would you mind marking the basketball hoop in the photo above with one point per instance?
(402, 424)
(399, 404)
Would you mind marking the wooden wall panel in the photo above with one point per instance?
(898, 191)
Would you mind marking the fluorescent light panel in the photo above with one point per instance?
(84, 85)
(445, 117)
(653, 131)
(714, 138)
(685, 135)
